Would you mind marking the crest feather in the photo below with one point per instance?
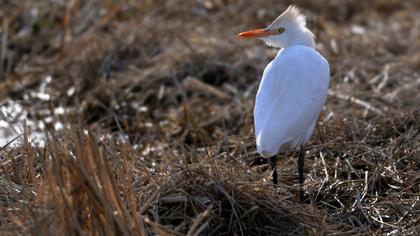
(292, 15)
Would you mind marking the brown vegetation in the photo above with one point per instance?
(145, 109)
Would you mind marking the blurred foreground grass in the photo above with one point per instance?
(135, 117)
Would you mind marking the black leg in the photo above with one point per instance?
(274, 168)
(301, 163)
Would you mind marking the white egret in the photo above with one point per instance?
(292, 91)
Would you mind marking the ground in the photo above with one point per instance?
(135, 118)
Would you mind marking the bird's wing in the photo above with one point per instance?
(291, 95)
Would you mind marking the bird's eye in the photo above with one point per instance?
(281, 30)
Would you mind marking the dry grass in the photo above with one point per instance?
(146, 111)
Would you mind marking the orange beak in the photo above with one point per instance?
(255, 34)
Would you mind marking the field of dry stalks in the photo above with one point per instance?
(135, 118)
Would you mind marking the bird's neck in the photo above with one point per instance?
(304, 37)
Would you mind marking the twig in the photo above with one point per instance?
(11, 141)
(326, 175)
(149, 201)
(392, 95)
(197, 222)
(194, 83)
(385, 79)
(3, 49)
(356, 101)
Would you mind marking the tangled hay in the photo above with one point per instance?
(144, 110)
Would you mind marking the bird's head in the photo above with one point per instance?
(287, 30)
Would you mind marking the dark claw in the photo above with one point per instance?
(258, 161)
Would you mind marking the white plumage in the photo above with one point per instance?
(291, 95)
(294, 85)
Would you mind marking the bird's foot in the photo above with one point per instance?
(304, 198)
(258, 161)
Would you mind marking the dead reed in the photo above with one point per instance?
(145, 109)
